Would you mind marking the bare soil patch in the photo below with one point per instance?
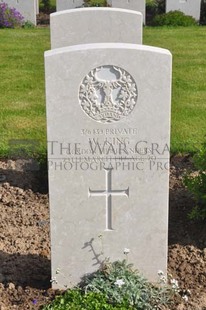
(25, 246)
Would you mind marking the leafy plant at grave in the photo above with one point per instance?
(174, 18)
(116, 286)
(76, 300)
(28, 25)
(123, 285)
(99, 3)
(197, 184)
(10, 17)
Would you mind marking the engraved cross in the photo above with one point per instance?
(108, 192)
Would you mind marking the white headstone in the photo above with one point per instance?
(95, 25)
(68, 4)
(188, 7)
(37, 6)
(108, 122)
(28, 8)
(136, 5)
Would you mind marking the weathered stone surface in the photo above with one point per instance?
(136, 5)
(95, 25)
(108, 118)
(62, 5)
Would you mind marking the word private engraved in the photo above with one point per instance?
(108, 192)
(108, 94)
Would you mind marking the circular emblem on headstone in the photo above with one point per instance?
(107, 94)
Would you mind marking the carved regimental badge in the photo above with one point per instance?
(108, 94)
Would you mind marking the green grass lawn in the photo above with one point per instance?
(189, 82)
(22, 99)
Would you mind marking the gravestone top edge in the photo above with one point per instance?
(94, 9)
(117, 46)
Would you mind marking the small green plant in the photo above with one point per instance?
(123, 285)
(99, 3)
(196, 184)
(117, 286)
(174, 18)
(75, 299)
(28, 25)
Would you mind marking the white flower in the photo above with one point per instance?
(189, 292)
(160, 273)
(163, 279)
(119, 282)
(174, 284)
(185, 298)
(126, 251)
